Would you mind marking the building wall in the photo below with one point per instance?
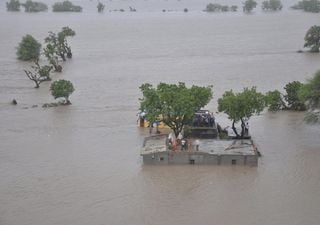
(232, 159)
(165, 158)
(252, 160)
(157, 158)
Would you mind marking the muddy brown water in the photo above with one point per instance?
(80, 164)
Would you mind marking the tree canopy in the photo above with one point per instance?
(312, 38)
(31, 6)
(215, 7)
(241, 106)
(100, 7)
(62, 89)
(249, 5)
(39, 73)
(272, 5)
(310, 92)
(308, 6)
(172, 104)
(13, 5)
(57, 44)
(292, 96)
(275, 101)
(66, 6)
(29, 48)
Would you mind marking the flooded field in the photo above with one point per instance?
(80, 164)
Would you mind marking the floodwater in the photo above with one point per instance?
(80, 164)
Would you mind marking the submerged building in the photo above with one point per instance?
(156, 150)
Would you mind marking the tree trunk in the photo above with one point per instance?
(242, 127)
(234, 129)
(62, 56)
(177, 130)
(67, 101)
(69, 54)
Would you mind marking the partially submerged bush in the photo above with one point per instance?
(272, 5)
(66, 6)
(308, 6)
(29, 48)
(31, 6)
(215, 7)
(62, 89)
(13, 5)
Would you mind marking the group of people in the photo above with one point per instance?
(182, 143)
(203, 119)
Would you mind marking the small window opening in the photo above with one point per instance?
(233, 162)
(191, 161)
(161, 158)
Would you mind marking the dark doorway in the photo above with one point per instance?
(192, 161)
(233, 162)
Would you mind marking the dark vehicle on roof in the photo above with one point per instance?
(204, 125)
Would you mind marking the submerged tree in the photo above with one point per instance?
(274, 101)
(28, 49)
(66, 6)
(308, 6)
(213, 7)
(57, 44)
(272, 5)
(100, 7)
(292, 96)
(289, 101)
(62, 89)
(172, 104)
(249, 5)
(13, 5)
(31, 6)
(241, 106)
(310, 94)
(233, 8)
(39, 74)
(49, 53)
(312, 38)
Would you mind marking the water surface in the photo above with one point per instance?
(80, 164)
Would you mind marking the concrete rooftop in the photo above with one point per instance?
(156, 144)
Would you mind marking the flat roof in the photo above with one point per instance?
(154, 144)
(158, 143)
(226, 147)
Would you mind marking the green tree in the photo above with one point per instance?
(29, 48)
(233, 8)
(241, 106)
(31, 6)
(272, 5)
(49, 52)
(274, 101)
(13, 5)
(66, 6)
(213, 7)
(311, 6)
(62, 89)
(312, 38)
(312, 117)
(297, 6)
(57, 44)
(249, 5)
(39, 73)
(292, 96)
(100, 7)
(172, 104)
(310, 92)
